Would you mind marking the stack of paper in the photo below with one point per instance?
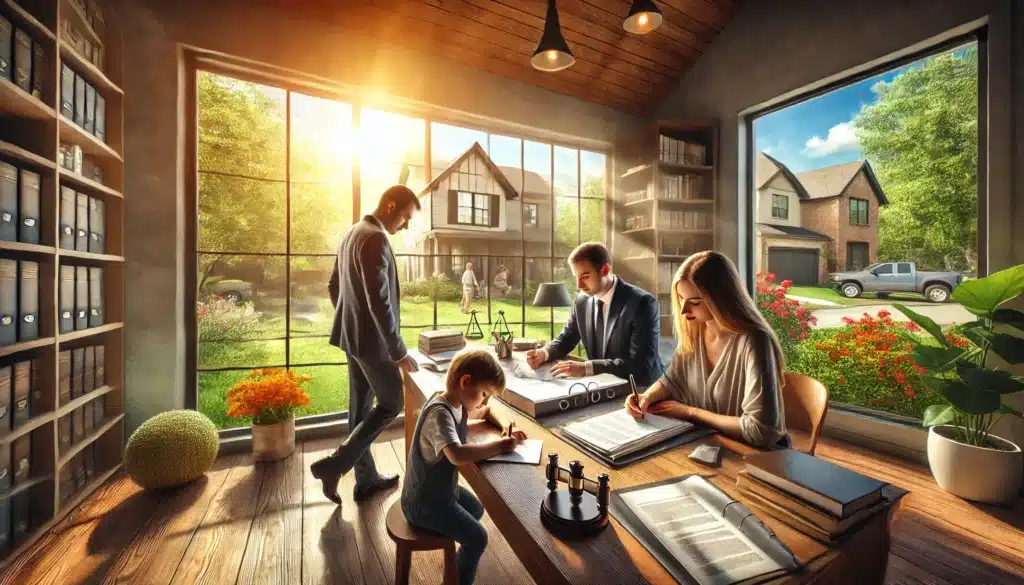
(442, 340)
(617, 434)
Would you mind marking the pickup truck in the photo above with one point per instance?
(890, 277)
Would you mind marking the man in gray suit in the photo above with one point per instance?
(364, 290)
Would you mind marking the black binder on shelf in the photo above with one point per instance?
(6, 473)
(28, 208)
(89, 370)
(67, 92)
(8, 202)
(6, 407)
(81, 298)
(6, 40)
(8, 301)
(79, 100)
(66, 292)
(101, 118)
(68, 212)
(97, 219)
(38, 59)
(99, 410)
(90, 109)
(35, 403)
(100, 379)
(95, 296)
(22, 397)
(82, 223)
(89, 416)
(28, 300)
(89, 458)
(19, 518)
(22, 60)
(64, 438)
(21, 455)
(64, 377)
(77, 373)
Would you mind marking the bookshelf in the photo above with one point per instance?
(666, 203)
(73, 431)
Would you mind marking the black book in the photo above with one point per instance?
(78, 467)
(19, 518)
(90, 109)
(64, 377)
(81, 298)
(6, 538)
(68, 211)
(89, 370)
(101, 118)
(67, 92)
(97, 218)
(79, 100)
(8, 301)
(82, 223)
(5, 402)
(828, 486)
(99, 367)
(66, 320)
(99, 407)
(23, 60)
(64, 438)
(67, 483)
(6, 40)
(8, 202)
(28, 301)
(89, 457)
(28, 210)
(95, 296)
(22, 393)
(78, 425)
(77, 367)
(35, 403)
(6, 472)
(21, 455)
(38, 70)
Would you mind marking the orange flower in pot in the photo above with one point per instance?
(269, 397)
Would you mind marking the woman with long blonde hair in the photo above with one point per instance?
(727, 369)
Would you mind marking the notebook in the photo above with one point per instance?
(617, 434)
(830, 487)
(529, 452)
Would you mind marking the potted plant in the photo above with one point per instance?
(269, 398)
(970, 373)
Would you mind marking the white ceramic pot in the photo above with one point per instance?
(975, 473)
(273, 442)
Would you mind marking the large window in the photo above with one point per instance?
(278, 187)
(901, 142)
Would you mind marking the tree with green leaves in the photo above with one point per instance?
(921, 137)
(585, 223)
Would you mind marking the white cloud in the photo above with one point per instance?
(768, 150)
(840, 137)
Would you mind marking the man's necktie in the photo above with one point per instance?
(599, 334)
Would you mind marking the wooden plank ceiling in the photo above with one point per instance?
(632, 73)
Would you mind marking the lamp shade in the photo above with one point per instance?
(552, 294)
(644, 16)
(552, 52)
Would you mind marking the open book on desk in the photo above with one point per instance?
(699, 533)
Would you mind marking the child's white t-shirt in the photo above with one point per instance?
(438, 431)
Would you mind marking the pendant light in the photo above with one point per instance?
(644, 16)
(552, 52)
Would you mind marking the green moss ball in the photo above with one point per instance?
(171, 449)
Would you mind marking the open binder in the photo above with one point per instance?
(700, 534)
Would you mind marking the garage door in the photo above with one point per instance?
(797, 264)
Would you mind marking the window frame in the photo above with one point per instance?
(535, 216)
(779, 197)
(866, 209)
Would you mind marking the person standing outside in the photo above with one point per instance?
(469, 287)
(365, 293)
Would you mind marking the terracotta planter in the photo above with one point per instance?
(975, 473)
(273, 442)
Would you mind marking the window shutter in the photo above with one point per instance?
(496, 205)
(453, 207)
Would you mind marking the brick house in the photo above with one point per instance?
(818, 221)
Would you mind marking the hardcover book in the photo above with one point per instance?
(23, 60)
(89, 414)
(99, 407)
(8, 202)
(90, 109)
(66, 318)
(35, 403)
(97, 242)
(67, 92)
(77, 374)
(99, 366)
(6, 538)
(6, 40)
(95, 296)
(64, 377)
(38, 70)
(6, 473)
(67, 483)
(81, 298)
(21, 454)
(101, 118)
(89, 371)
(28, 211)
(5, 402)
(68, 211)
(78, 424)
(79, 100)
(20, 518)
(28, 301)
(22, 393)
(78, 467)
(89, 458)
(8, 301)
(82, 223)
(64, 438)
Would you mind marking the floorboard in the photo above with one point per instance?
(246, 523)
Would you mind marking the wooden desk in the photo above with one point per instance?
(512, 495)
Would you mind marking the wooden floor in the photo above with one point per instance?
(270, 524)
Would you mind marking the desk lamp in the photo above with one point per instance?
(552, 294)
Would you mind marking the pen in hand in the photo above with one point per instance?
(636, 395)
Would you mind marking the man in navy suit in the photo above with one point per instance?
(618, 323)
(364, 291)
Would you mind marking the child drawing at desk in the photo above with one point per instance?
(431, 496)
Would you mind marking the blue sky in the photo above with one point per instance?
(819, 132)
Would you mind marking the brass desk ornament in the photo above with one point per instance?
(580, 511)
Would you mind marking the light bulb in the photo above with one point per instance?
(643, 19)
(552, 55)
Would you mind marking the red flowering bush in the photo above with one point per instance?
(789, 318)
(867, 363)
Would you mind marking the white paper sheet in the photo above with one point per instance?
(617, 433)
(529, 452)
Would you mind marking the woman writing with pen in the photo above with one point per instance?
(727, 370)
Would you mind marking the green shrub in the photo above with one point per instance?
(221, 320)
(439, 284)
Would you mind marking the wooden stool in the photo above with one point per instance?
(409, 538)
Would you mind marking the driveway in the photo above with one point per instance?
(943, 314)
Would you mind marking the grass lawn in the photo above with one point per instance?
(825, 293)
(328, 387)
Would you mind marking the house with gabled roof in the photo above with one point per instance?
(817, 221)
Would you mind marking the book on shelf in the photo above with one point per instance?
(832, 488)
(77, 372)
(28, 300)
(97, 242)
(617, 434)
(6, 38)
(79, 100)
(799, 513)
(64, 377)
(21, 455)
(38, 69)
(22, 384)
(81, 298)
(100, 378)
(8, 202)
(22, 60)
(95, 296)
(5, 405)
(89, 370)
(8, 301)
(6, 473)
(677, 151)
(64, 439)
(28, 208)
(20, 516)
(68, 209)
(67, 92)
(82, 223)
(66, 299)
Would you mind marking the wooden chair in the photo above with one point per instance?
(408, 538)
(805, 403)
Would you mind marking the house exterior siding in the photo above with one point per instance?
(858, 188)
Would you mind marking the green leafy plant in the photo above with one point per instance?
(961, 370)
